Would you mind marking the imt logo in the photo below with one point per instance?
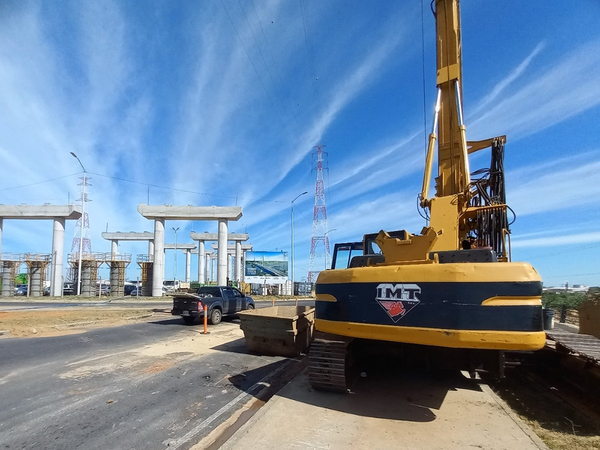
(387, 291)
(397, 299)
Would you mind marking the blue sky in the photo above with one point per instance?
(221, 102)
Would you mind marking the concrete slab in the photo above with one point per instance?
(214, 236)
(408, 411)
(170, 212)
(40, 212)
(180, 246)
(128, 236)
(231, 247)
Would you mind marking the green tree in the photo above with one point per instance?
(569, 300)
(21, 278)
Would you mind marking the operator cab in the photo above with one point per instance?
(361, 254)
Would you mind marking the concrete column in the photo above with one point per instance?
(229, 267)
(238, 261)
(188, 263)
(1, 225)
(158, 272)
(201, 260)
(212, 268)
(58, 249)
(151, 245)
(206, 268)
(222, 253)
(8, 282)
(114, 247)
(87, 290)
(243, 265)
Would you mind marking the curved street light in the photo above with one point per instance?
(299, 195)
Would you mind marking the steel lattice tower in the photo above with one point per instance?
(82, 229)
(319, 226)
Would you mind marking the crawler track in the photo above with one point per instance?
(327, 363)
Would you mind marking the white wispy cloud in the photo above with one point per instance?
(565, 183)
(557, 241)
(546, 97)
(506, 82)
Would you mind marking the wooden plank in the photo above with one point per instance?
(582, 344)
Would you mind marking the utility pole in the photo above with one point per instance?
(292, 255)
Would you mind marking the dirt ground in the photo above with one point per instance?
(57, 322)
(559, 426)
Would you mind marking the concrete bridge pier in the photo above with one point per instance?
(9, 272)
(86, 280)
(222, 256)
(36, 286)
(238, 261)
(168, 212)
(147, 283)
(188, 263)
(159, 257)
(58, 244)
(57, 213)
(117, 274)
(201, 262)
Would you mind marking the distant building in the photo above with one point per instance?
(565, 288)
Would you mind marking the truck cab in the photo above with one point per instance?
(219, 300)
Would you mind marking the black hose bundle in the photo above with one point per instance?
(488, 190)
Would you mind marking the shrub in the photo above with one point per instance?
(558, 300)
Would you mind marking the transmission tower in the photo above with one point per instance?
(81, 239)
(319, 226)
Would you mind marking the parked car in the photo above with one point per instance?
(137, 291)
(46, 291)
(220, 301)
(105, 290)
(68, 289)
(21, 289)
(129, 288)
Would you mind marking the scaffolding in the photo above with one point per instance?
(117, 263)
(9, 264)
(37, 263)
(90, 263)
(146, 263)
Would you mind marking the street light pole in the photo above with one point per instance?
(175, 265)
(82, 225)
(292, 255)
(326, 233)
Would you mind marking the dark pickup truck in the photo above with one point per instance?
(221, 300)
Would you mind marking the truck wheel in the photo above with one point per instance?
(249, 306)
(215, 316)
(189, 320)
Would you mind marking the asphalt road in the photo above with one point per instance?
(20, 305)
(144, 386)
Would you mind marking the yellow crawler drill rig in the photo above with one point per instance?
(451, 290)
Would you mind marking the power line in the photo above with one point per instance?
(570, 250)
(282, 104)
(250, 59)
(270, 53)
(309, 54)
(39, 182)
(574, 275)
(144, 184)
(184, 190)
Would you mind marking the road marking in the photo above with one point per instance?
(202, 425)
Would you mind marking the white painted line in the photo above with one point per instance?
(202, 425)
